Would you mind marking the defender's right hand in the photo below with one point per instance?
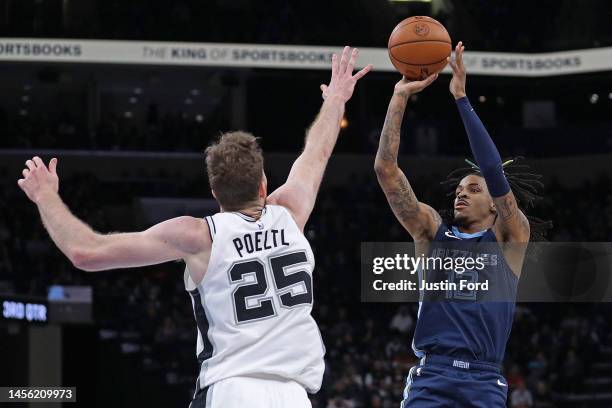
(405, 88)
(343, 81)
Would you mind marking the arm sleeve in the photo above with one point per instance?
(484, 150)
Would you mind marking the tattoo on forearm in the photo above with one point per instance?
(388, 145)
(402, 199)
(399, 193)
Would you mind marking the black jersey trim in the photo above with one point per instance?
(199, 398)
(203, 325)
(248, 217)
(213, 224)
(209, 228)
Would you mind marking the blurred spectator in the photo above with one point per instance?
(402, 321)
(572, 372)
(521, 397)
(514, 376)
(543, 398)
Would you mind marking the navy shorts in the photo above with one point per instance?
(445, 382)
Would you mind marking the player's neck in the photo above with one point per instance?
(253, 209)
(475, 227)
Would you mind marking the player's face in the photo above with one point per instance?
(473, 203)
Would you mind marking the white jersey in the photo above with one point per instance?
(253, 306)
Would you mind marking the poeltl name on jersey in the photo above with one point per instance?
(260, 240)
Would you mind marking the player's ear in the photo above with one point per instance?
(492, 208)
(213, 193)
(263, 187)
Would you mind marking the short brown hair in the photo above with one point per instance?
(235, 168)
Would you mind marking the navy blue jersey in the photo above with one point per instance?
(466, 324)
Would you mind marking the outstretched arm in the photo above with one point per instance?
(511, 224)
(178, 238)
(419, 219)
(299, 192)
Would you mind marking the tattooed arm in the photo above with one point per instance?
(512, 224)
(420, 220)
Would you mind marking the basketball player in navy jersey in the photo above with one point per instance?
(460, 340)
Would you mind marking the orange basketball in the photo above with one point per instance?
(418, 47)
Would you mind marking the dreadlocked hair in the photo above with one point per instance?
(524, 185)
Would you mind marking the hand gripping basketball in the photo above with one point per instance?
(342, 83)
(405, 88)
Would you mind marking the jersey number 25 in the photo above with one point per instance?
(254, 290)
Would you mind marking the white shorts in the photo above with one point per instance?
(240, 392)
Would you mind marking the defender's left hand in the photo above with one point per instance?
(343, 81)
(38, 180)
(457, 84)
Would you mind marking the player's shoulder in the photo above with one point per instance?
(188, 223)
(282, 213)
(195, 231)
(276, 209)
(279, 210)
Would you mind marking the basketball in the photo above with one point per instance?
(418, 47)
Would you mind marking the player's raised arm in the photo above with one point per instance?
(299, 192)
(178, 238)
(419, 219)
(511, 223)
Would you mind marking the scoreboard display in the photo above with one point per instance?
(24, 310)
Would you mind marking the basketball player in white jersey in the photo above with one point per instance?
(249, 267)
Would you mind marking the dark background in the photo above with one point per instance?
(124, 132)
